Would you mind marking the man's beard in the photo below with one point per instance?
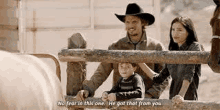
(134, 34)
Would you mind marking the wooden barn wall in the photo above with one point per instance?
(53, 17)
(9, 25)
(50, 23)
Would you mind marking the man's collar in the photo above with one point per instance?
(143, 37)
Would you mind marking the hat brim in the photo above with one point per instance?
(146, 16)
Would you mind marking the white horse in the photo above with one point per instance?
(27, 83)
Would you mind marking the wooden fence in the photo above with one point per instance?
(114, 56)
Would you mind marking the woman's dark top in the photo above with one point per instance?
(180, 72)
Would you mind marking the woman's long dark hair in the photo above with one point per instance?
(188, 25)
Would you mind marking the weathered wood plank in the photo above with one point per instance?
(8, 16)
(57, 4)
(58, 18)
(9, 44)
(9, 27)
(8, 12)
(152, 104)
(8, 34)
(76, 71)
(8, 3)
(113, 56)
(121, 3)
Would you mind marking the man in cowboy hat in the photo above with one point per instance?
(136, 39)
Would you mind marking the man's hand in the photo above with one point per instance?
(104, 96)
(112, 97)
(177, 99)
(82, 95)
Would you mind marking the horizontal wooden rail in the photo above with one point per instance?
(114, 56)
(152, 104)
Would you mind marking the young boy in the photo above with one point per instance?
(129, 86)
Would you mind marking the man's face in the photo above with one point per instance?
(133, 26)
(126, 69)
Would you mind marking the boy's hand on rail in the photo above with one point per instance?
(82, 95)
(177, 99)
(104, 96)
(112, 97)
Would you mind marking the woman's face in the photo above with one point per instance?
(179, 33)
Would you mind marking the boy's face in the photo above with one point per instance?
(126, 69)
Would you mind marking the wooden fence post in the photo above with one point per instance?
(76, 71)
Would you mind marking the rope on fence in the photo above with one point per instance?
(136, 56)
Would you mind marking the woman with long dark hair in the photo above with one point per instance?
(185, 77)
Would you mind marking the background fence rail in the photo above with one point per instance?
(136, 56)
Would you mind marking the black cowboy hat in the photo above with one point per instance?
(136, 10)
